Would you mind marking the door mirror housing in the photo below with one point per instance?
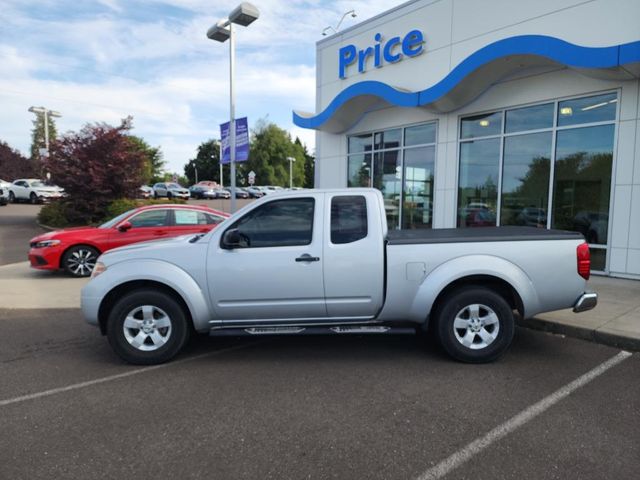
(124, 226)
(231, 239)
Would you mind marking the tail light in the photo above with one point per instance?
(584, 260)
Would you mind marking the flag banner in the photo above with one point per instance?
(242, 141)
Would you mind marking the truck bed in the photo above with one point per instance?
(478, 234)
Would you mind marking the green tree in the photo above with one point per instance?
(270, 147)
(309, 165)
(154, 163)
(38, 136)
(207, 162)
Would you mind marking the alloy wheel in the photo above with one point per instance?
(147, 328)
(476, 326)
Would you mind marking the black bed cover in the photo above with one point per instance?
(477, 234)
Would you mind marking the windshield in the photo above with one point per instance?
(37, 183)
(174, 185)
(116, 220)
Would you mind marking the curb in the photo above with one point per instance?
(47, 227)
(595, 336)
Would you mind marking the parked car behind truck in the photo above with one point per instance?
(334, 267)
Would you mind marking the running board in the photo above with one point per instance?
(356, 329)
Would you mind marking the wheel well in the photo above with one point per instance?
(76, 245)
(114, 295)
(498, 285)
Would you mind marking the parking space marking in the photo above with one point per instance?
(118, 376)
(466, 453)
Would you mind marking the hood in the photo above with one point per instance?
(153, 249)
(48, 189)
(60, 234)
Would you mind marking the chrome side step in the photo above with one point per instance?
(327, 330)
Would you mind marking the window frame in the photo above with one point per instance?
(555, 128)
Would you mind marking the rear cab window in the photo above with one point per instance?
(348, 219)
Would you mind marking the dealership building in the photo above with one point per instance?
(469, 114)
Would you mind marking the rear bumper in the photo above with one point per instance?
(586, 301)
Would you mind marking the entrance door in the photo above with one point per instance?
(277, 271)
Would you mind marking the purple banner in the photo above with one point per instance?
(242, 141)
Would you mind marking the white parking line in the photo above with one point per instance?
(110, 378)
(465, 454)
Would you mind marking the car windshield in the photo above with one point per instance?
(37, 183)
(116, 220)
(174, 185)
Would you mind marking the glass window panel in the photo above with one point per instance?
(387, 178)
(525, 179)
(359, 170)
(600, 108)
(279, 223)
(529, 118)
(598, 258)
(348, 219)
(478, 183)
(481, 125)
(360, 143)
(582, 181)
(417, 207)
(420, 134)
(388, 139)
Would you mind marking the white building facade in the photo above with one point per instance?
(500, 112)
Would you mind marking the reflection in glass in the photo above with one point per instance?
(525, 180)
(481, 125)
(387, 173)
(417, 207)
(478, 183)
(600, 108)
(360, 143)
(359, 170)
(598, 258)
(582, 181)
(388, 139)
(420, 134)
(529, 118)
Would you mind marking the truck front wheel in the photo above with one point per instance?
(475, 325)
(147, 327)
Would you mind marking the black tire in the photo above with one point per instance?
(169, 195)
(79, 260)
(460, 304)
(176, 337)
(33, 198)
(12, 197)
(155, 195)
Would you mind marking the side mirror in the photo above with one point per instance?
(231, 239)
(124, 226)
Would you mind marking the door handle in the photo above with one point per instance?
(307, 258)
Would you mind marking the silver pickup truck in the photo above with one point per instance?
(323, 261)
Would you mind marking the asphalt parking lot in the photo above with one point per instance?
(305, 407)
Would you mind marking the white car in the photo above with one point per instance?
(4, 195)
(170, 190)
(33, 190)
(4, 184)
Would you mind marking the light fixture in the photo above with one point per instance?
(219, 32)
(484, 123)
(244, 14)
(566, 111)
(325, 32)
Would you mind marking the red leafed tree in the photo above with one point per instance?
(95, 166)
(13, 164)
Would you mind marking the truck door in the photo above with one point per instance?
(276, 273)
(353, 256)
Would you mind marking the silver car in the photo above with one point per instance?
(170, 190)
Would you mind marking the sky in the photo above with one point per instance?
(102, 60)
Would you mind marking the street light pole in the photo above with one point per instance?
(46, 113)
(244, 14)
(291, 160)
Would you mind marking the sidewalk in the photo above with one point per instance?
(615, 321)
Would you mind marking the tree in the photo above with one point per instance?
(270, 147)
(38, 139)
(309, 165)
(154, 160)
(207, 162)
(13, 164)
(96, 165)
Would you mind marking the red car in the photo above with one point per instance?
(75, 250)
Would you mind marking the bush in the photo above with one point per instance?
(63, 213)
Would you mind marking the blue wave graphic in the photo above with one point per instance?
(552, 48)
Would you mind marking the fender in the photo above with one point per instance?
(157, 271)
(448, 272)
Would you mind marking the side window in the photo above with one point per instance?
(188, 217)
(348, 219)
(212, 219)
(280, 223)
(150, 218)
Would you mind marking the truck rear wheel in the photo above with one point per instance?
(475, 325)
(147, 327)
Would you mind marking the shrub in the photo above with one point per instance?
(54, 214)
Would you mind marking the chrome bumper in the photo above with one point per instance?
(586, 301)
